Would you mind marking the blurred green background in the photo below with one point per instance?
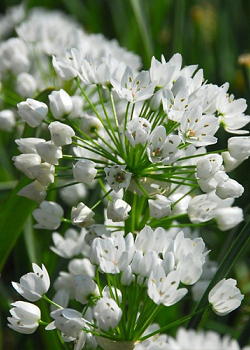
(213, 34)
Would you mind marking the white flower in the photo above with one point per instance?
(225, 297)
(159, 207)
(24, 161)
(205, 340)
(201, 209)
(229, 189)
(48, 216)
(69, 245)
(7, 120)
(68, 65)
(69, 322)
(186, 256)
(33, 285)
(85, 288)
(118, 210)
(82, 215)
(112, 254)
(229, 162)
(60, 103)
(49, 152)
(107, 313)
(25, 317)
(161, 73)
(239, 147)
(61, 134)
(90, 125)
(137, 131)
(34, 191)
(133, 88)
(208, 165)
(162, 289)
(44, 173)
(81, 267)
(197, 128)
(228, 217)
(117, 177)
(84, 171)
(26, 84)
(163, 148)
(27, 145)
(32, 112)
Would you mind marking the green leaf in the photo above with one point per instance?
(13, 216)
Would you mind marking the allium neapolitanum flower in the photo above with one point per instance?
(140, 135)
(25, 317)
(33, 285)
(139, 142)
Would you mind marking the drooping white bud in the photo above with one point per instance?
(49, 152)
(84, 171)
(159, 207)
(48, 215)
(82, 215)
(7, 120)
(118, 210)
(26, 85)
(32, 112)
(60, 103)
(61, 134)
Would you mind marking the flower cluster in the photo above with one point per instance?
(138, 143)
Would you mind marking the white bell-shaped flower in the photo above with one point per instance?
(7, 120)
(107, 313)
(61, 134)
(82, 215)
(27, 145)
(49, 215)
(24, 318)
(239, 147)
(24, 161)
(49, 152)
(84, 171)
(229, 189)
(60, 103)
(118, 210)
(159, 207)
(32, 112)
(44, 173)
(229, 217)
(34, 191)
(33, 285)
(85, 288)
(225, 297)
(26, 85)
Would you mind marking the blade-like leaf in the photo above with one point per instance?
(13, 215)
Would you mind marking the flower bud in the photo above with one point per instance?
(49, 152)
(26, 85)
(7, 120)
(32, 112)
(118, 210)
(82, 215)
(84, 171)
(48, 216)
(60, 103)
(61, 134)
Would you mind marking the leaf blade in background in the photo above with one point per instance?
(13, 216)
